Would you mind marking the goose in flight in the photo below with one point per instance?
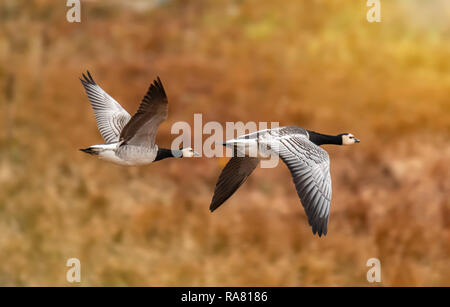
(130, 140)
(299, 149)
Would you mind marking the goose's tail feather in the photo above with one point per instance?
(98, 149)
(91, 150)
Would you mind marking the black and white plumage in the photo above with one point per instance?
(299, 149)
(109, 114)
(130, 140)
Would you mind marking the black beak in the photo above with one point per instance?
(357, 141)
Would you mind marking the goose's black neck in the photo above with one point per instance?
(321, 139)
(164, 153)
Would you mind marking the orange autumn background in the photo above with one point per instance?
(316, 64)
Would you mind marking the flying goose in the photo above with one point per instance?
(299, 149)
(130, 140)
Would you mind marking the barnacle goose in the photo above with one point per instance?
(130, 140)
(299, 149)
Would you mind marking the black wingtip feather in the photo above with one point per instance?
(216, 203)
(156, 90)
(90, 77)
(87, 79)
(319, 226)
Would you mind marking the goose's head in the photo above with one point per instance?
(348, 139)
(188, 152)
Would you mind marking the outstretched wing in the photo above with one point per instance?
(142, 127)
(109, 114)
(310, 169)
(232, 177)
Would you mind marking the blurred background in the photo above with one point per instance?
(316, 64)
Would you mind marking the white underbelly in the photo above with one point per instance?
(128, 159)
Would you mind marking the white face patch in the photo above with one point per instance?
(189, 153)
(349, 139)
